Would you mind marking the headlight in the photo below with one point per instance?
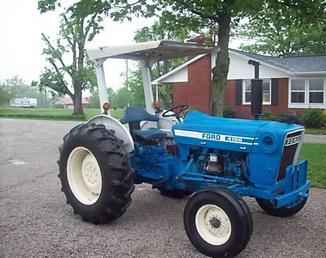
(268, 140)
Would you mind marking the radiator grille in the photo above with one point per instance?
(291, 147)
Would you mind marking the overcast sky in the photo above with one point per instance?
(21, 26)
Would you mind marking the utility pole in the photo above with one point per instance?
(126, 79)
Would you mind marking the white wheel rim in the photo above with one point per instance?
(84, 175)
(213, 224)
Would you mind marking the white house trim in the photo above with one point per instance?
(306, 103)
(262, 62)
(165, 78)
(311, 73)
(265, 103)
(162, 78)
(180, 74)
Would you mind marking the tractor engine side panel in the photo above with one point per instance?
(153, 164)
(204, 162)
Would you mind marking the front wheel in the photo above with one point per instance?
(217, 223)
(283, 212)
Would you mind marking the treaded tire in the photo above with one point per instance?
(237, 212)
(174, 194)
(283, 212)
(117, 176)
(249, 215)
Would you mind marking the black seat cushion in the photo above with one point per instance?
(148, 135)
(137, 114)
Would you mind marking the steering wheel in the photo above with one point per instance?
(176, 111)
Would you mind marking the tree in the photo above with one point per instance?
(223, 15)
(168, 26)
(121, 98)
(9, 89)
(132, 95)
(5, 95)
(79, 24)
(281, 31)
(226, 15)
(16, 87)
(162, 30)
(94, 101)
(217, 15)
(135, 88)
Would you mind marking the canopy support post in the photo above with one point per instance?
(156, 93)
(148, 92)
(102, 89)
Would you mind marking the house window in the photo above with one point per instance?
(246, 94)
(316, 91)
(307, 92)
(267, 91)
(298, 91)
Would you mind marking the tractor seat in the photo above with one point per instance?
(149, 135)
(133, 116)
(137, 114)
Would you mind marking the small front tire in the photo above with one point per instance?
(217, 223)
(282, 212)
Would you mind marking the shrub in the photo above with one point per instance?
(267, 116)
(228, 112)
(313, 118)
(58, 106)
(290, 118)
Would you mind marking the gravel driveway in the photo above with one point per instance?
(313, 138)
(36, 222)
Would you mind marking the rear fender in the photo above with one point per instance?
(121, 131)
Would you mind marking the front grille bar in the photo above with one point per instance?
(291, 151)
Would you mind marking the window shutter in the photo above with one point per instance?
(274, 91)
(238, 92)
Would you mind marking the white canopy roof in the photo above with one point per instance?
(150, 51)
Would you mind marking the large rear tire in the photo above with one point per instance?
(217, 223)
(95, 174)
(283, 212)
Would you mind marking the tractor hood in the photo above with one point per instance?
(228, 133)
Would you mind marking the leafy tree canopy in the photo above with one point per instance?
(68, 71)
(16, 87)
(222, 16)
(287, 30)
(218, 16)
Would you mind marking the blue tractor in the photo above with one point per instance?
(215, 161)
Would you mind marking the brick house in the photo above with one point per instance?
(67, 102)
(290, 84)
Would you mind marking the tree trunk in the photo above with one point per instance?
(221, 69)
(77, 100)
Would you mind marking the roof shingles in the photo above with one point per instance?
(295, 64)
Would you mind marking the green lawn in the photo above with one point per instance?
(52, 113)
(316, 156)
